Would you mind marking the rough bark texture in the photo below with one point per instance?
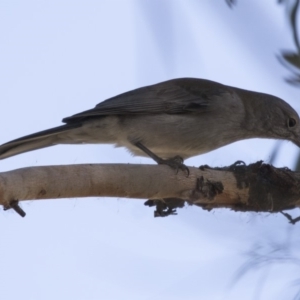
(257, 187)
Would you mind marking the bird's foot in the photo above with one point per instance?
(175, 163)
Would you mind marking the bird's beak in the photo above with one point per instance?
(296, 139)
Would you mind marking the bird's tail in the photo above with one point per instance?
(34, 141)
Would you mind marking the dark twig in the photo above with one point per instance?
(289, 217)
(14, 204)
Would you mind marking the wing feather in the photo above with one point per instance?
(177, 96)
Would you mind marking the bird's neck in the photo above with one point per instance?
(255, 122)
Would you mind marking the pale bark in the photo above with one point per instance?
(257, 187)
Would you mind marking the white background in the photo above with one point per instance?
(58, 58)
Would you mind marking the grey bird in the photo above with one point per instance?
(171, 121)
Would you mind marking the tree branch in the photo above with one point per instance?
(257, 187)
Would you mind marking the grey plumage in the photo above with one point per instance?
(183, 117)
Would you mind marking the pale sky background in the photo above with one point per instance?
(58, 58)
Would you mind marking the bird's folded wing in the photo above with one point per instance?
(171, 97)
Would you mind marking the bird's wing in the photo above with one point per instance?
(178, 96)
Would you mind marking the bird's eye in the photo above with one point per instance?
(292, 122)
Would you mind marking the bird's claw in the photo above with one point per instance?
(177, 164)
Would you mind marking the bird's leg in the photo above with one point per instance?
(175, 162)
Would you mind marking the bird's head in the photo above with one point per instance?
(283, 120)
(267, 116)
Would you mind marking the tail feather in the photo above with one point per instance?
(34, 141)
